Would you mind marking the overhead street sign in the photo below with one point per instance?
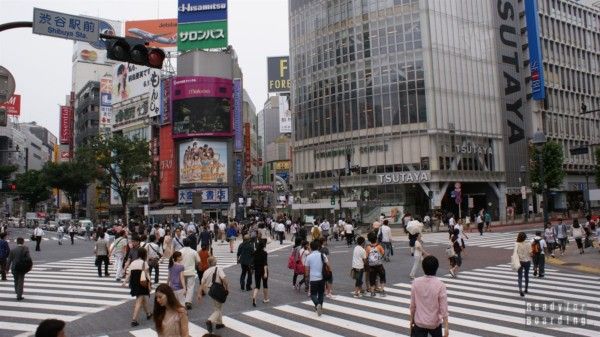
(579, 150)
(65, 26)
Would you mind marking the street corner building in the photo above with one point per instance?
(416, 105)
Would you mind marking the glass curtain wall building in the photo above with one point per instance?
(399, 103)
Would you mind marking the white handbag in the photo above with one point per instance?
(515, 263)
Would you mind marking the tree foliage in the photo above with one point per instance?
(6, 172)
(120, 163)
(70, 177)
(554, 173)
(33, 187)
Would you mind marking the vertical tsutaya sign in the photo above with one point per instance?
(515, 113)
(278, 74)
(202, 24)
(105, 102)
(535, 52)
(65, 124)
(238, 106)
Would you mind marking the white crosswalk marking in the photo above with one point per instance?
(486, 304)
(504, 240)
(70, 289)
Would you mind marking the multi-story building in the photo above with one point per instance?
(570, 44)
(87, 113)
(398, 105)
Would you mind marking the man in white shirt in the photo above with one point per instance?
(222, 227)
(280, 229)
(359, 256)
(178, 240)
(314, 270)
(325, 226)
(37, 234)
(349, 233)
(385, 235)
(61, 233)
(190, 260)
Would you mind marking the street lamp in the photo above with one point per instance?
(539, 140)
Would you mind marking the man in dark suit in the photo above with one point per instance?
(4, 251)
(16, 257)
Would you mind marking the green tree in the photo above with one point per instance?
(6, 172)
(70, 177)
(33, 187)
(121, 162)
(554, 173)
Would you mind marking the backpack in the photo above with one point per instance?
(374, 258)
(535, 247)
(292, 259)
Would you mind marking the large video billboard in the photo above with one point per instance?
(158, 33)
(201, 106)
(202, 161)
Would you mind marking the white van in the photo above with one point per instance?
(81, 224)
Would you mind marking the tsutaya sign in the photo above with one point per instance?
(468, 148)
(403, 177)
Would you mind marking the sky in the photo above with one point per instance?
(42, 65)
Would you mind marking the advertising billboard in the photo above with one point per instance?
(158, 33)
(166, 165)
(201, 106)
(12, 106)
(209, 195)
(130, 80)
(129, 112)
(285, 121)
(202, 161)
(165, 112)
(238, 109)
(105, 102)
(201, 10)
(202, 35)
(96, 52)
(66, 113)
(278, 74)
(535, 52)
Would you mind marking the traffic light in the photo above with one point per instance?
(134, 51)
(333, 200)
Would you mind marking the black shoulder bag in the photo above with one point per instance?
(217, 291)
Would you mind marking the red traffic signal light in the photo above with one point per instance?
(134, 51)
(13, 186)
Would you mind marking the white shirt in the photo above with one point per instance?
(60, 229)
(358, 257)
(38, 232)
(325, 226)
(542, 243)
(349, 228)
(460, 229)
(153, 250)
(478, 220)
(280, 227)
(341, 222)
(452, 222)
(189, 260)
(211, 226)
(288, 222)
(208, 276)
(386, 233)
(222, 226)
(161, 232)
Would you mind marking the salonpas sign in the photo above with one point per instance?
(201, 35)
(403, 177)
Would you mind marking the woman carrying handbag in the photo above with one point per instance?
(139, 283)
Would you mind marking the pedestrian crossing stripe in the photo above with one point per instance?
(487, 307)
(505, 240)
(71, 289)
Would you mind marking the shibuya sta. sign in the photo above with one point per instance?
(403, 177)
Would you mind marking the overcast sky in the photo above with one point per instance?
(42, 65)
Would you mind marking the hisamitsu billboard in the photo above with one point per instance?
(278, 72)
(201, 10)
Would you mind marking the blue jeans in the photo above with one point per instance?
(387, 246)
(524, 268)
(317, 289)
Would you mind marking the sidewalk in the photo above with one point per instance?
(589, 262)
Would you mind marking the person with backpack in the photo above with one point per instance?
(20, 263)
(316, 263)
(549, 238)
(538, 246)
(375, 254)
(560, 232)
(454, 255)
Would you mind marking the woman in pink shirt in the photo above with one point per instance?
(428, 302)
